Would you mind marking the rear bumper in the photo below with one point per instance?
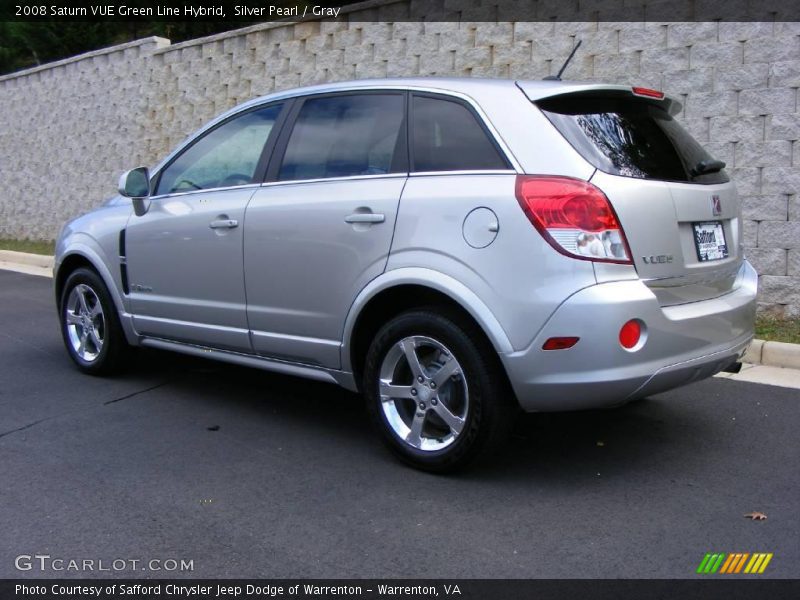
(683, 343)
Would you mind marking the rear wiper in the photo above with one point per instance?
(707, 166)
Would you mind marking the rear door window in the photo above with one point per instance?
(447, 136)
(346, 135)
(629, 136)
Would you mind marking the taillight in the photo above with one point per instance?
(574, 216)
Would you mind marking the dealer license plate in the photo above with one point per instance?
(709, 239)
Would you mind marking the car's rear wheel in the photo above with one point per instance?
(435, 391)
(90, 325)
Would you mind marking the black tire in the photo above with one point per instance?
(106, 327)
(487, 415)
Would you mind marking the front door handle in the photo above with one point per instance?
(365, 218)
(223, 224)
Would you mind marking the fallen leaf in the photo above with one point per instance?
(756, 516)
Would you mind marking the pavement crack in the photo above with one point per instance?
(131, 395)
(34, 423)
(23, 428)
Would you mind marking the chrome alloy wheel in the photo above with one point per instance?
(85, 322)
(423, 393)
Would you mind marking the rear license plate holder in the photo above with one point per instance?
(709, 241)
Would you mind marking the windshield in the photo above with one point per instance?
(629, 136)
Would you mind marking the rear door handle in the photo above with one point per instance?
(365, 218)
(224, 224)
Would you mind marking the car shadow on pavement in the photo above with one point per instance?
(548, 445)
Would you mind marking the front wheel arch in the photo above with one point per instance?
(96, 314)
(69, 265)
(83, 255)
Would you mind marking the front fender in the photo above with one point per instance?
(435, 280)
(87, 247)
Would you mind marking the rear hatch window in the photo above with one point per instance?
(631, 136)
(677, 206)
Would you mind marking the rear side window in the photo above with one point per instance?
(346, 135)
(447, 136)
(629, 136)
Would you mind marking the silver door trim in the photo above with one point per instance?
(196, 324)
(205, 191)
(343, 178)
(392, 176)
(341, 378)
(463, 172)
(297, 338)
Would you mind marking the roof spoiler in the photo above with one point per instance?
(541, 90)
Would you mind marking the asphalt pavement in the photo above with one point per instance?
(250, 474)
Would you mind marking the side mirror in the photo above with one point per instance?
(135, 184)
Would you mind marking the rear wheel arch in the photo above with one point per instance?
(400, 298)
(436, 391)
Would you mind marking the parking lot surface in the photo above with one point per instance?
(250, 474)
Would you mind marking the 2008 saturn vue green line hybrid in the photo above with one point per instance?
(455, 249)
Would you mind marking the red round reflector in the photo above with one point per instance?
(630, 333)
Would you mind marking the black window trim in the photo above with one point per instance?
(275, 147)
(282, 141)
(478, 118)
(263, 160)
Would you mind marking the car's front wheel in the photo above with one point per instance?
(435, 391)
(90, 325)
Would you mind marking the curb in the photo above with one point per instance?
(25, 258)
(760, 352)
(773, 354)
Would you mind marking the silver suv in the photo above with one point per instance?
(455, 249)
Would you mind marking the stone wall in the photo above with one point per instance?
(69, 129)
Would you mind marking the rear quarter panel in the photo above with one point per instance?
(519, 276)
(537, 146)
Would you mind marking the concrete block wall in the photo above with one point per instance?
(69, 129)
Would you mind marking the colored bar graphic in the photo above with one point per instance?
(765, 563)
(741, 562)
(753, 560)
(718, 563)
(703, 563)
(722, 563)
(738, 562)
(728, 562)
(758, 563)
